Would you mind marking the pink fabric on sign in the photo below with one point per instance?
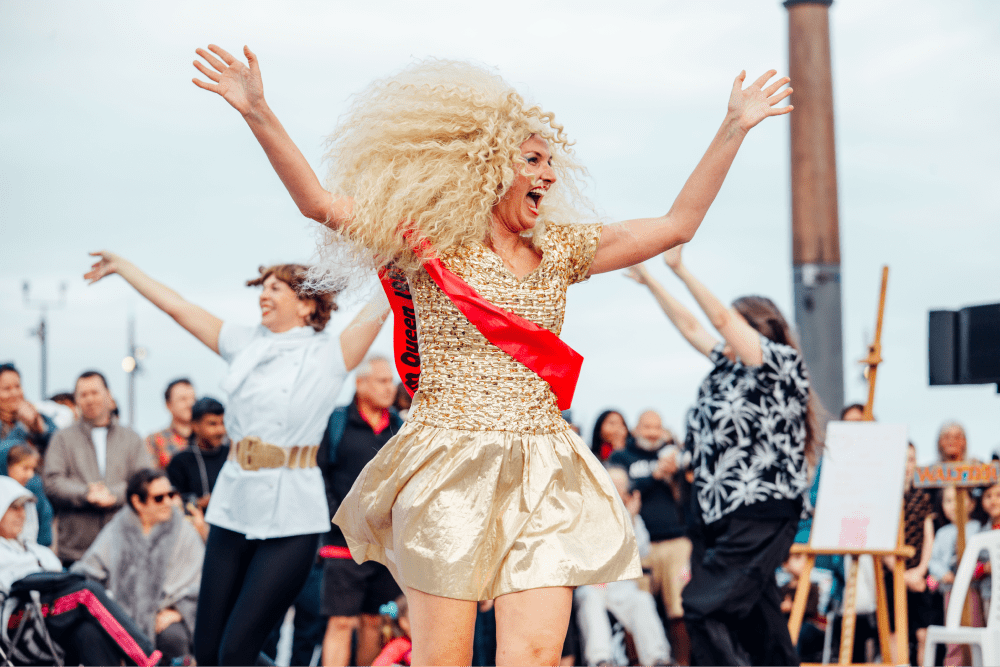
(854, 532)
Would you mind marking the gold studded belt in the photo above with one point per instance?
(252, 453)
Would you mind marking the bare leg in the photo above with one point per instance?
(441, 629)
(531, 626)
(337, 640)
(369, 638)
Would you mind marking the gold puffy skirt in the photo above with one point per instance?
(472, 515)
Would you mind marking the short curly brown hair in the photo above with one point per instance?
(294, 275)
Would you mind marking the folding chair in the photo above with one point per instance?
(985, 642)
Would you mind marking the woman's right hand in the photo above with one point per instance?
(238, 84)
(672, 258)
(108, 263)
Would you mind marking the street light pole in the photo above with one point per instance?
(42, 331)
(132, 366)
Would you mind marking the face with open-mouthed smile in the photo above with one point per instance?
(517, 209)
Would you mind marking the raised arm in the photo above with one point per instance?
(679, 316)
(242, 87)
(741, 338)
(202, 324)
(359, 335)
(628, 243)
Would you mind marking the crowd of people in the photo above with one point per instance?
(458, 517)
(123, 517)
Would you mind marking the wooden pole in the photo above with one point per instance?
(849, 614)
(875, 350)
(801, 598)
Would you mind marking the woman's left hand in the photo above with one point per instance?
(166, 618)
(750, 105)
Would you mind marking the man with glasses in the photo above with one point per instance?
(655, 467)
(149, 559)
(87, 467)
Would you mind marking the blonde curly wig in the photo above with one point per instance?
(432, 149)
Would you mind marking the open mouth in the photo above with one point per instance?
(535, 197)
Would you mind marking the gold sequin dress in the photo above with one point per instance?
(486, 490)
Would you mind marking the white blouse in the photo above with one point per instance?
(282, 389)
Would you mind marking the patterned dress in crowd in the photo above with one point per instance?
(486, 490)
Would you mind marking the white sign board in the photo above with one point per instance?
(860, 487)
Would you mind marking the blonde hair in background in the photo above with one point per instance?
(432, 149)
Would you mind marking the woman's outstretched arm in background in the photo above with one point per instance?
(682, 318)
(741, 338)
(633, 241)
(202, 324)
(242, 87)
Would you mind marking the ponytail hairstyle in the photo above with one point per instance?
(764, 316)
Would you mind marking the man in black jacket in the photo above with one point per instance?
(193, 470)
(652, 460)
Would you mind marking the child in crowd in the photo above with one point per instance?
(991, 507)
(944, 561)
(396, 629)
(22, 462)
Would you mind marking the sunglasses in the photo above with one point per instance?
(158, 498)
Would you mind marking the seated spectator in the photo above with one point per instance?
(164, 445)
(653, 462)
(21, 422)
(83, 621)
(396, 633)
(149, 558)
(87, 467)
(22, 462)
(944, 561)
(194, 470)
(610, 434)
(635, 609)
(984, 569)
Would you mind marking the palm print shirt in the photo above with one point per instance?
(747, 432)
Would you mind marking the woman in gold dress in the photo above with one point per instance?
(485, 493)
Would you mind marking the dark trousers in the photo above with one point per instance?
(732, 605)
(174, 642)
(309, 624)
(89, 626)
(246, 588)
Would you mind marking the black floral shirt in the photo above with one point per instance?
(747, 432)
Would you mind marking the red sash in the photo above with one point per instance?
(536, 347)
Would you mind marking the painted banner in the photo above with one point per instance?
(957, 474)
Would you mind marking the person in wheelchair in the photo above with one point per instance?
(82, 625)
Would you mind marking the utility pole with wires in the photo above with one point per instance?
(42, 331)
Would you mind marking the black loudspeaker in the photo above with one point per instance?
(964, 346)
(942, 358)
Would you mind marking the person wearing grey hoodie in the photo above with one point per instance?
(88, 627)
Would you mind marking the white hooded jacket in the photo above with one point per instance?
(22, 555)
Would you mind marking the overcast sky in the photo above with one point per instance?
(106, 144)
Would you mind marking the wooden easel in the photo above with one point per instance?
(899, 554)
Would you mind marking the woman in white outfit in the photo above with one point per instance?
(269, 504)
